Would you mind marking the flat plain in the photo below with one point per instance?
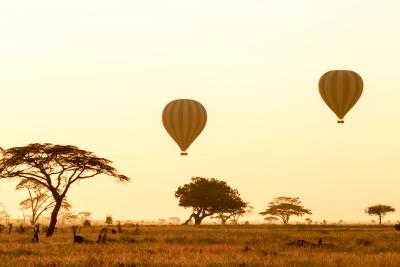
(209, 245)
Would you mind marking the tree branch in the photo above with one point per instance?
(34, 180)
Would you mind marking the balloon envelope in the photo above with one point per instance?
(184, 120)
(340, 89)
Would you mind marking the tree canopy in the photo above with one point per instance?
(379, 210)
(109, 219)
(271, 219)
(55, 167)
(284, 207)
(208, 196)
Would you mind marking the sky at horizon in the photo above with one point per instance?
(97, 74)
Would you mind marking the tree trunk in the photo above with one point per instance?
(197, 219)
(188, 220)
(53, 219)
(34, 218)
(380, 219)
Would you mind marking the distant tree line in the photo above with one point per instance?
(46, 172)
(207, 197)
(216, 199)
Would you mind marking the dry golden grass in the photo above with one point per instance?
(208, 245)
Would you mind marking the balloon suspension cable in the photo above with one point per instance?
(184, 153)
(340, 121)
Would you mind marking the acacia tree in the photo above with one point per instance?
(271, 219)
(68, 217)
(284, 207)
(236, 214)
(379, 210)
(55, 167)
(207, 197)
(174, 220)
(84, 217)
(223, 217)
(233, 215)
(39, 200)
(308, 220)
(4, 214)
(109, 219)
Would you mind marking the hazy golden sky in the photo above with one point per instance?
(97, 74)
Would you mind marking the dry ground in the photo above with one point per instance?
(208, 246)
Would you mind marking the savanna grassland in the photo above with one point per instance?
(241, 245)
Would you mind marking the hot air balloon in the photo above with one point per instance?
(340, 89)
(184, 120)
